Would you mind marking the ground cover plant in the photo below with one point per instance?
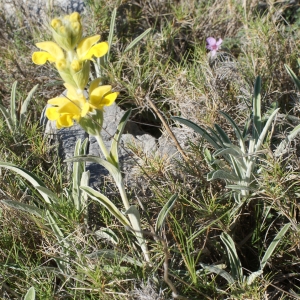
(219, 80)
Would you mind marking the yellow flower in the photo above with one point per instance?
(52, 53)
(101, 96)
(66, 110)
(86, 49)
(75, 107)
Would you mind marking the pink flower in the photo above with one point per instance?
(213, 45)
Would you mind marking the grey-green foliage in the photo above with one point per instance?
(236, 274)
(30, 295)
(16, 117)
(241, 157)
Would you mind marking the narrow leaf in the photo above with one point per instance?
(111, 30)
(26, 103)
(30, 295)
(103, 200)
(136, 40)
(283, 145)
(235, 263)
(257, 127)
(293, 76)
(34, 180)
(24, 207)
(113, 254)
(273, 245)
(7, 118)
(236, 130)
(221, 174)
(199, 130)
(222, 134)
(13, 113)
(218, 271)
(164, 213)
(265, 130)
(115, 173)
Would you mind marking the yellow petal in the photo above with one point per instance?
(40, 58)
(52, 114)
(59, 101)
(97, 50)
(109, 99)
(94, 84)
(85, 109)
(64, 121)
(85, 45)
(98, 93)
(70, 108)
(52, 48)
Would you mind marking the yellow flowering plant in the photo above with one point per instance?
(71, 55)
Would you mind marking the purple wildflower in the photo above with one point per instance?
(213, 45)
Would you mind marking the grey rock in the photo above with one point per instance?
(39, 9)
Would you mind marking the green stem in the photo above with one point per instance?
(134, 220)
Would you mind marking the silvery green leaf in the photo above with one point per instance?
(238, 187)
(293, 76)
(273, 245)
(164, 213)
(235, 263)
(114, 172)
(7, 118)
(103, 200)
(253, 276)
(219, 272)
(25, 207)
(25, 104)
(199, 130)
(30, 295)
(107, 234)
(113, 254)
(78, 170)
(13, 112)
(236, 130)
(136, 40)
(34, 180)
(265, 130)
(282, 146)
(222, 134)
(117, 137)
(135, 220)
(49, 193)
(221, 174)
(257, 126)
(111, 31)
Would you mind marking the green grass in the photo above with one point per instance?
(173, 68)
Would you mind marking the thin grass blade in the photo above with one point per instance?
(257, 126)
(136, 40)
